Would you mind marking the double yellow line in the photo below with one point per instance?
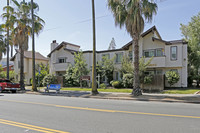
(30, 127)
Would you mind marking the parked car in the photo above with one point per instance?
(7, 85)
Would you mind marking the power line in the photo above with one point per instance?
(79, 22)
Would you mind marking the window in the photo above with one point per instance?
(117, 76)
(159, 52)
(149, 53)
(119, 57)
(173, 52)
(150, 72)
(153, 52)
(130, 54)
(106, 55)
(61, 60)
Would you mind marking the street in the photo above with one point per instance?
(53, 114)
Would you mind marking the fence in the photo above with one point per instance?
(158, 84)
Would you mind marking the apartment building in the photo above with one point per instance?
(167, 55)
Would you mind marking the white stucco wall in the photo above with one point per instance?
(163, 63)
(27, 67)
(61, 53)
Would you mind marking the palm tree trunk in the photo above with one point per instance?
(22, 67)
(94, 84)
(34, 88)
(136, 83)
(7, 44)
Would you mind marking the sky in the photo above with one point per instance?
(70, 21)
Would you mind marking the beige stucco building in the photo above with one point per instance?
(167, 55)
(27, 64)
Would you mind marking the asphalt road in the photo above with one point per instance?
(22, 113)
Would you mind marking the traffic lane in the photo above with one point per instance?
(124, 105)
(12, 129)
(93, 121)
(30, 127)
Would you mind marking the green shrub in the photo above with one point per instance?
(111, 82)
(49, 79)
(148, 79)
(116, 84)
(127, 80)
(69, 79)
(172, 77)
(103, 86)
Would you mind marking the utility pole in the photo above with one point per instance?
(94, 84)
(33, 50)
(7, 40)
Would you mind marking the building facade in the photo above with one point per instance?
(27, 64)
(167, 55)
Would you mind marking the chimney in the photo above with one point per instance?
(54, 44)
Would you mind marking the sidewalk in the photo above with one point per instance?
(182, 98)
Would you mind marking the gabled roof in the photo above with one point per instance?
(178, 41)
(143, 35)
(127, 45)
(152, 29)
(170, 42)
(28, 54)
(60, 46)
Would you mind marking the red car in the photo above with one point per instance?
(7, 85)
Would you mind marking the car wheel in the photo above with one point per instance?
(13, 91)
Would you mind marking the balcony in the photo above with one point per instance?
(157, 62)
(60, 66)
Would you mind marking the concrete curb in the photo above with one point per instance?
(115, 96)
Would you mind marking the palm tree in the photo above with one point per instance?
(132, 14)
(8, 42)
(23, 30)
(7, 27)
(94, 84)
(2, 44)
(34, 88)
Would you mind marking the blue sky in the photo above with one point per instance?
(70, 21)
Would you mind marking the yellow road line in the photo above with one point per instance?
(31, 126)
(105, 110)
(43, 131)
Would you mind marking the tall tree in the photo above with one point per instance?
(132, 14)
(23, 30)
(8, 42)
(8, 27)
(2, 44)
(94, 84)
(191, 33)
(34, 88)
(80, 67)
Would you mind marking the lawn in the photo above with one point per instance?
(100, 90)
(184, 91)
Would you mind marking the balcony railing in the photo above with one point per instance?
(157, 62)
(60, 66)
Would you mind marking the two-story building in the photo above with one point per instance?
(39, 58)
(167, 55)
